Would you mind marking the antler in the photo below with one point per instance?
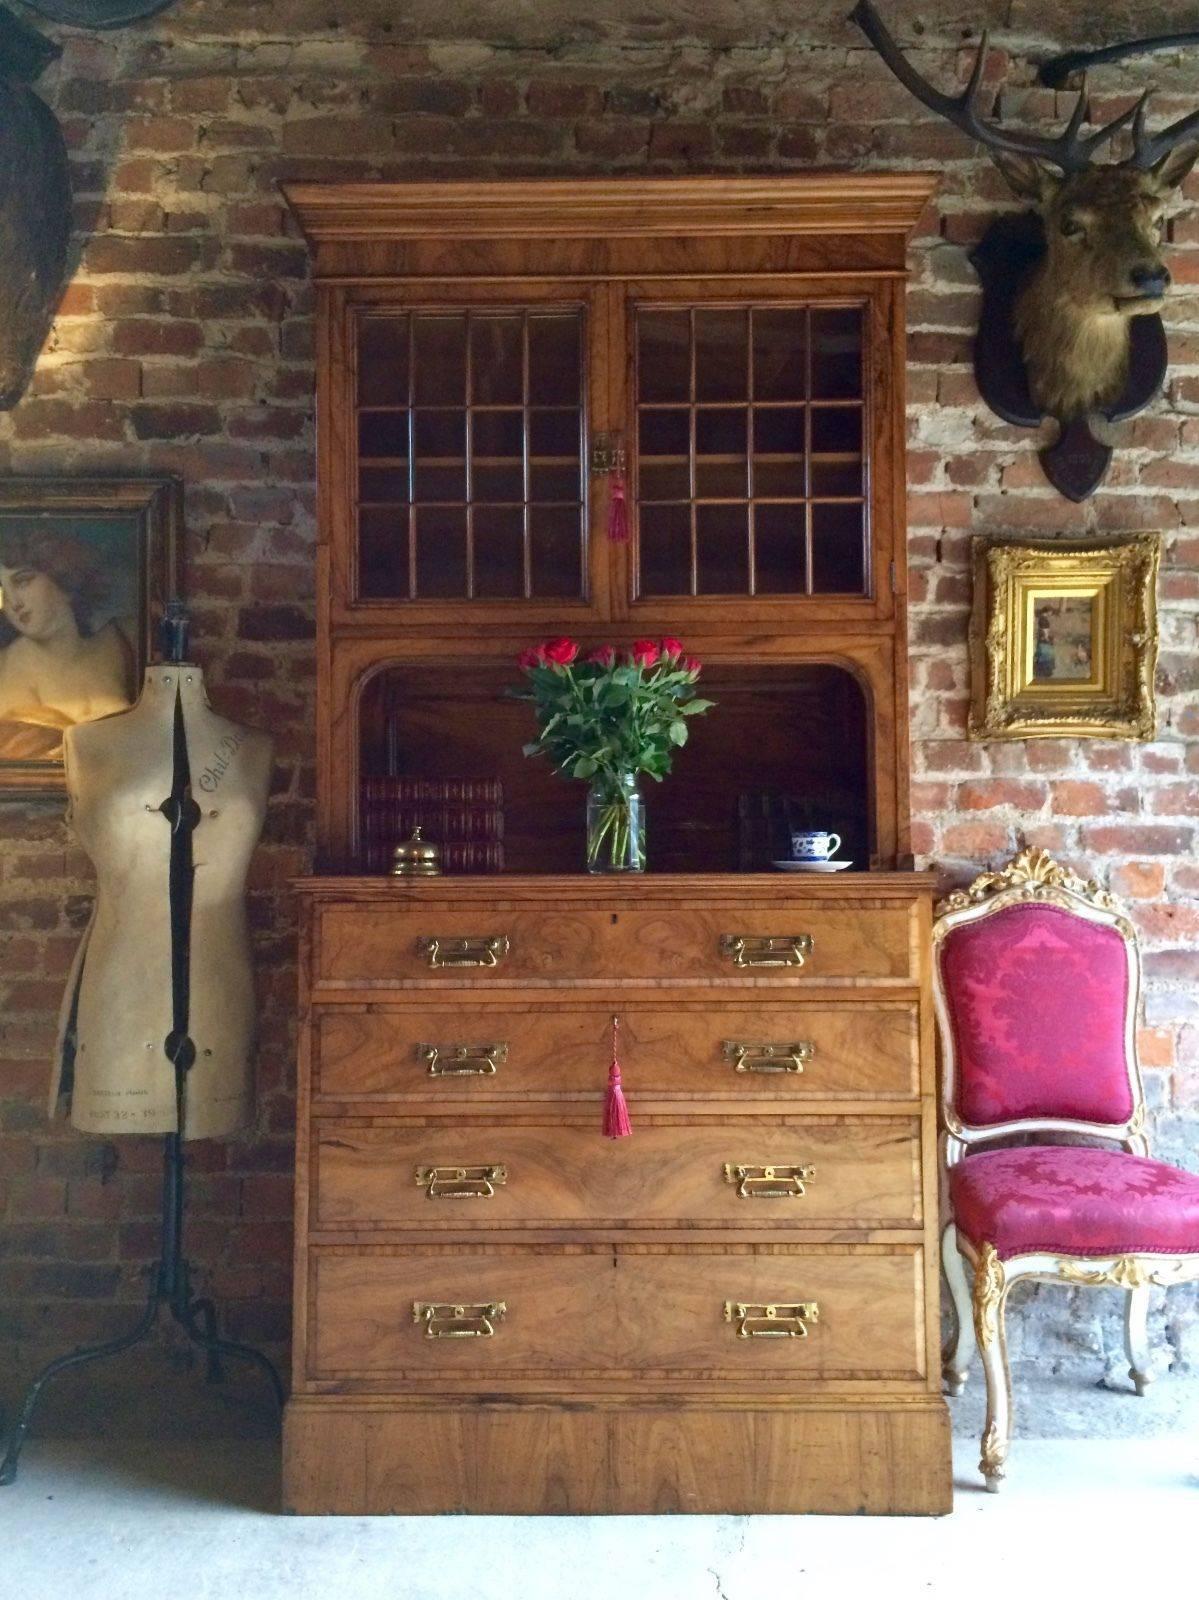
(1064, 150)
(1149, 148)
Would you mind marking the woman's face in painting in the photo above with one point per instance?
(34, 603)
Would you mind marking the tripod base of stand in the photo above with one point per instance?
(171, 1286)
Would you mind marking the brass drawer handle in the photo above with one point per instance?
(474, 950)
(461, 1183)
(768, 1183)
(462, 1060)
(458, 1322)
(768, 1057)
(766, 949)
(756, 1320)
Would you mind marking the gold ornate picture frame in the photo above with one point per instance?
(1063, 639)
(86, 567)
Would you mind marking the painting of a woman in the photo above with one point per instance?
(86, 564)
(62, 661)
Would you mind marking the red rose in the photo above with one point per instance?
(645, 653)
(605, 656)
(692, 663)
(534, 656)
(560, 651)
(672, 647)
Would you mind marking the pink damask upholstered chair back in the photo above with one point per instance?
(1037, 984)
(1036, 979)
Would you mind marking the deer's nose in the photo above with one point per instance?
(1150, 280)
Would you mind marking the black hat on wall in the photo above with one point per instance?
(97, 13)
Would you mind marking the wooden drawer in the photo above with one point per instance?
(380, 946)
(646, 1311)
(671, 1172)
(862, 1051)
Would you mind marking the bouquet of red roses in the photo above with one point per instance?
(606, 717)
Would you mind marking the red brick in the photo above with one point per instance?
(680, 141)
(43, 419)
(1162, 922)
(1143, 839)
(201, 94)
(1138, 880)
(140, 336)
(611, 140)
(160, 256)
(562, 98)
(162, 135)
(1175, 799)
(1075, 799)
(1155, 1047)
(988, 794)
(112, 378)
(175, 421)
(980, 840)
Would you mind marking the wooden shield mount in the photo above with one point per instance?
(1076, 462)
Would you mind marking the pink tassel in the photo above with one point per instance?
(618, 511)
(616, 1112)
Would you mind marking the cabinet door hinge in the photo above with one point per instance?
(894, 580)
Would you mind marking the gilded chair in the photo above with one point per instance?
(1036, 981)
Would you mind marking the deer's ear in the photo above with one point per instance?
(1174, 166)
(1029, 178)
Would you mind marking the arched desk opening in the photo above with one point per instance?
(786, 747)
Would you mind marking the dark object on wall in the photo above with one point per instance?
(1055, 73)
(24, 52)
(35, 207)
(97, 13)
(1071, 301)
(1076, 461)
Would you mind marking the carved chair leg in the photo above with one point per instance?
(960, 1348)
(990, 1304)
(1136, 1338)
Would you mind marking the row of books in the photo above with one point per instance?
(464, 816)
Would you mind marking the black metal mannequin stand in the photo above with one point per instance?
(170, 1282)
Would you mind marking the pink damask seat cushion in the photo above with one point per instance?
(1077, 1202)
(1037, 1000)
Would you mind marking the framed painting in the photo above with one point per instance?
(1063, 639)
(86, 566)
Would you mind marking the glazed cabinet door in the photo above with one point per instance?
(455, 431)
(762, 451)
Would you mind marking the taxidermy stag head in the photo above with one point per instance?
(35, 207)
(1096, 267)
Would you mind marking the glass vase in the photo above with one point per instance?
(615, 825)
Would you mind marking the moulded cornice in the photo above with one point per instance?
(817, 202)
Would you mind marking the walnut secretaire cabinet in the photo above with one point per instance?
(498, 1310)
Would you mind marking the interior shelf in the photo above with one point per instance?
(784, 746)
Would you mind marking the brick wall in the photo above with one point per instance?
(184, 343)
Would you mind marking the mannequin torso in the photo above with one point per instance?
(119, 771)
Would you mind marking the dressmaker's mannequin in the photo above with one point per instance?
(118, 1008)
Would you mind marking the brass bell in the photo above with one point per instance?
(416, 858)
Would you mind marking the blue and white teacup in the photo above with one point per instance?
(814, 846)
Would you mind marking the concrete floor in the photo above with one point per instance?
(129, 1519)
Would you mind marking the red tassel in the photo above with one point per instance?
(618, 511)
(616, 1112)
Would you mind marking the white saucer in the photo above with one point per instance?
(811, 866)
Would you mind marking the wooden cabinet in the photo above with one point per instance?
(498, 1310)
